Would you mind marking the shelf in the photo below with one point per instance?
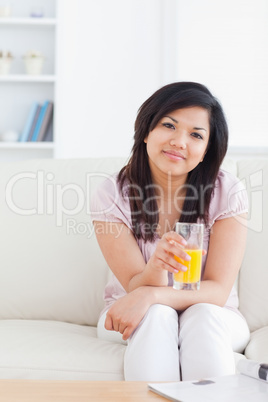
(26, 145)
(29, 21)
(20, 31)
(27, 78)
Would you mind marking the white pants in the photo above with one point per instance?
(196, 344)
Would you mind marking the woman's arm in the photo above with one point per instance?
(126, 261)
(225, 254)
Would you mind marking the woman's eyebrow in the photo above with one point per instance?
(175, 121)
(199, 128)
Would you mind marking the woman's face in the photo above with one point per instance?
(179, 141)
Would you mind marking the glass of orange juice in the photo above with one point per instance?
(190, 279)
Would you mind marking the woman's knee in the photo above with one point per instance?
(152, 351)
(161, 312)
(204, 310)
(158, 319)
(203, 316)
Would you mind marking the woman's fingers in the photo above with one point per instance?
(108, 322)
(169, 263)
(124, 327)
(172, 245)
(174, 237)
(127, 332)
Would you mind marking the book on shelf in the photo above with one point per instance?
(46, 123)
(39, 123)
(250, 385)
(29, 122)
(43, 121)
(34, 123)
(49, 133)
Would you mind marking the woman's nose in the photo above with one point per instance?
(178, 140)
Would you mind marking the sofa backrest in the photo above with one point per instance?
(51, 267)
(50, 264)
(253, 279)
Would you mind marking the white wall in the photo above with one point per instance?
(112, 54)
(224, 44)
(110, 59)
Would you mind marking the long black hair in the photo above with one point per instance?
(137, 173)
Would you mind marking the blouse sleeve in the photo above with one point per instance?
(229, 198)
(107, 203)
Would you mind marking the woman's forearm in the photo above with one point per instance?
(148, 278)
(210, 292)
(162, 261)
(127, 312)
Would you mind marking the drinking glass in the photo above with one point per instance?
(190, 279)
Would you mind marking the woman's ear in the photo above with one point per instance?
(145, 140)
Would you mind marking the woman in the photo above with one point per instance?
(173, 175)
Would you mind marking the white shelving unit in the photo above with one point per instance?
(27, 78)
(20, 33)
(29, 21)
(26, 145)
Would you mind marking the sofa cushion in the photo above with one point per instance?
(257, 348)
(51, 267)
(253, 295)
(57, 350)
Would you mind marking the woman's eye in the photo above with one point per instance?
(197, 135)
(169, 125)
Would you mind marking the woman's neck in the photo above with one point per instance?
(167, 186)
(170, 193)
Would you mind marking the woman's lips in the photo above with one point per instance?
(176, 156)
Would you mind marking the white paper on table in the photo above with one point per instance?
(233, 388)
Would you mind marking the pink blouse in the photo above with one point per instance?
(229, 199)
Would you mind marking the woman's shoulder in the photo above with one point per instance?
(225, 180)
(106, 188)
(108, 201)
(229, 197)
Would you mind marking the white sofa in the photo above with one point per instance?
(52, 273)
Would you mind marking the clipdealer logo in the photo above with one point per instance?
(67, 201)
(50, 198)
(253, 185)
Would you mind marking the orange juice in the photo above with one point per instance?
(192, 275)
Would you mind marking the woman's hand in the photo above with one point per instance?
(126, 313)
(163, 261)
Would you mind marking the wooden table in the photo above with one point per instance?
(75, 391)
